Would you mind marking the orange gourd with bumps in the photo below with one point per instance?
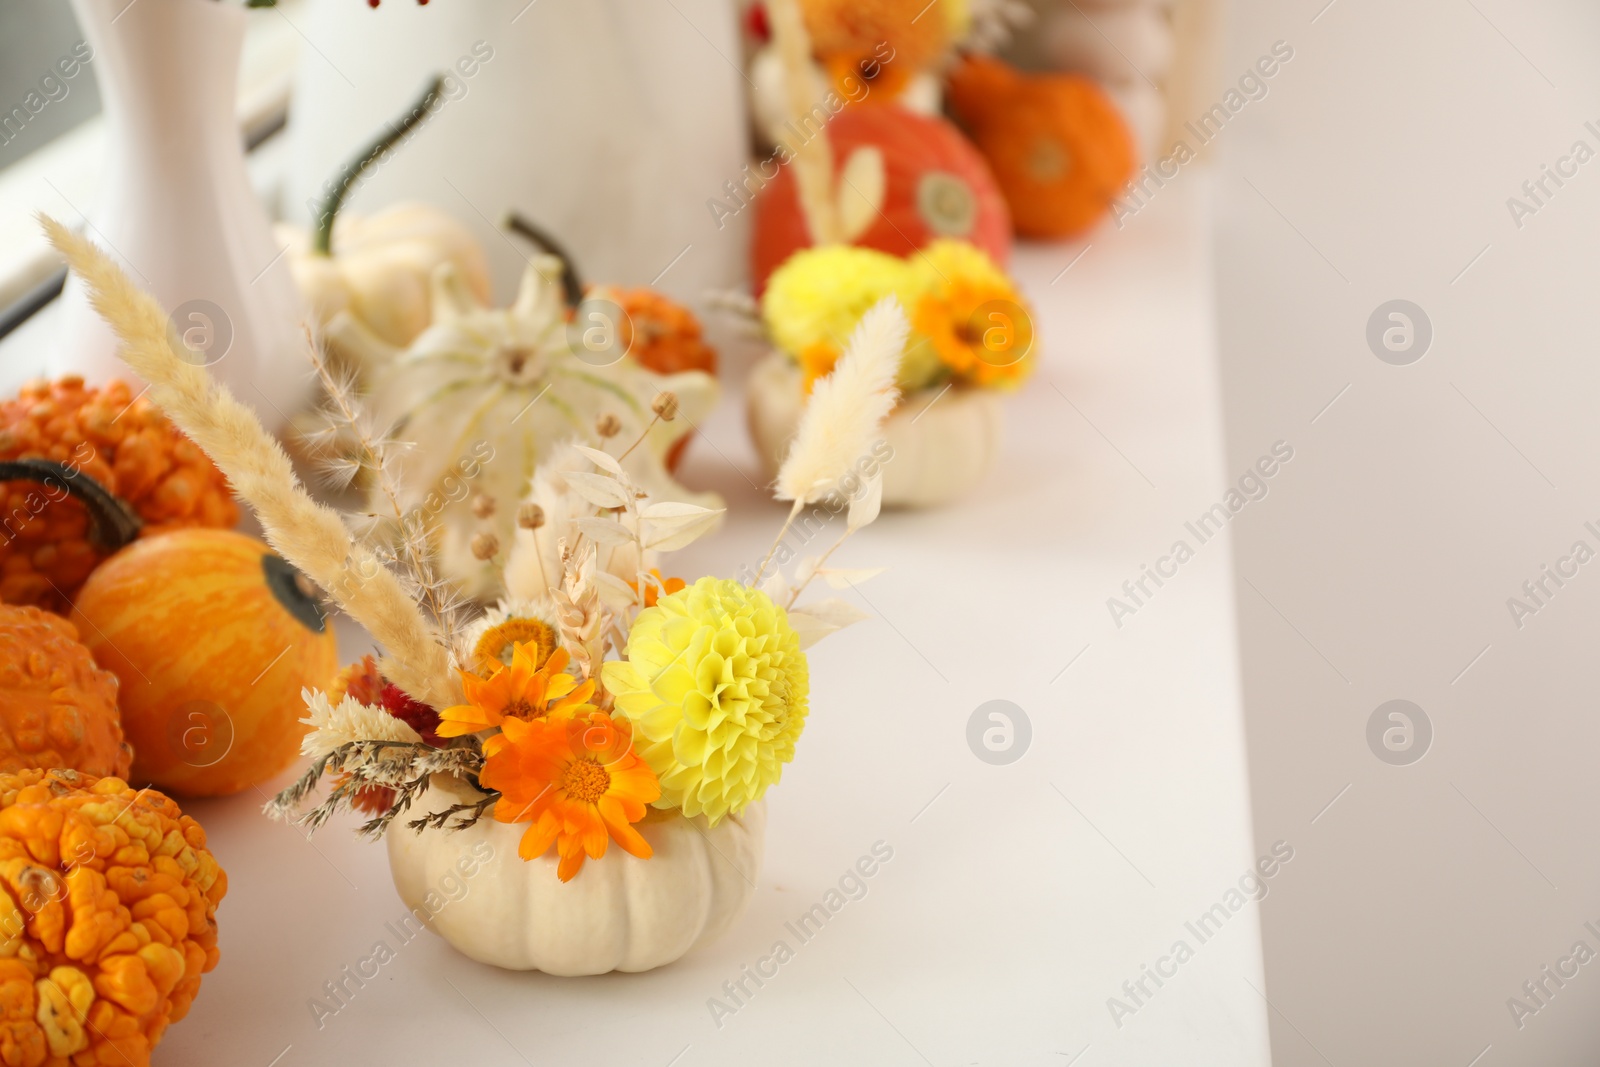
(1057, 144)
(57, 709)
(121, 440)
(213, 636)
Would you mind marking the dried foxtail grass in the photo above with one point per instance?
(310, 536)
(813, 156)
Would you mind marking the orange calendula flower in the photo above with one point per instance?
(654, 590)
(522, 690)
(973, 316)
(816, 361)
(577, 780)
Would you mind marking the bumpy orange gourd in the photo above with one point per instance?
(662, 335)
(213, 636)
(1057, 144)
(108, 904)
(57, 709)
(128, 446)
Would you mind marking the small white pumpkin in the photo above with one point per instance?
(620, 913)
(376, 281)
(941, 447)
(485, 394)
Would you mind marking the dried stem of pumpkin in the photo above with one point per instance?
(309, 535)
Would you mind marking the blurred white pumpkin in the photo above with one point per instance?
(485, 394)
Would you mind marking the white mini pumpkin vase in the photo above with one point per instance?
(942, 446)
(619, 913)
(177, 207)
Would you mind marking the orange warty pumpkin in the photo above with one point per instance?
(935, 185)
(128, 446)
(57, 709)
(108, 905)
(213, 636)
(661, 335)
(1057, 143)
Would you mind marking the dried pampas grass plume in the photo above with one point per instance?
(310, 536)
(847, 408)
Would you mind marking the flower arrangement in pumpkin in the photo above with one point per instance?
(821, 262)
(597, 689)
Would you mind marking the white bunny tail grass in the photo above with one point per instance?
(310, 536)
(847, 408)
(813, 156)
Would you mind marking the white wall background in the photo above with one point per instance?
(1378, 167)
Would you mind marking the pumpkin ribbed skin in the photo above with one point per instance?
(108, 903)
(936, 185)
(126, 445)
(940, 451)
(207, 656)
(1057, 144)
(57, 709)
(620, 913)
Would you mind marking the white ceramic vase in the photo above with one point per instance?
(177, 208)
(619, 913)
(609, 123)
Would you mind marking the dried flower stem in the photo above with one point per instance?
(309, 535)
(642, 435)
(374, 456)
(813, 157)
(438, 819)
(793, 597)
(794, 513)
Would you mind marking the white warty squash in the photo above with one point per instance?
(485, 394)
(941, 447)
(620, 913)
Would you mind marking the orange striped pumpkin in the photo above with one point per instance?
(213, 636)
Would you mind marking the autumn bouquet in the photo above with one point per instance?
(598, 704)
(884, 206)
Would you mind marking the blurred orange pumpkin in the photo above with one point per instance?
(213, 636)
(1057, 143)
(125, 444)
(906, 179)
(661, 335)
(57, 709)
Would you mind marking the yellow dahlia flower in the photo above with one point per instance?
(814, 300)
(715, 685)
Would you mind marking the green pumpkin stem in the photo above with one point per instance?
(112, 523)
(571, 281)
(333, 200)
